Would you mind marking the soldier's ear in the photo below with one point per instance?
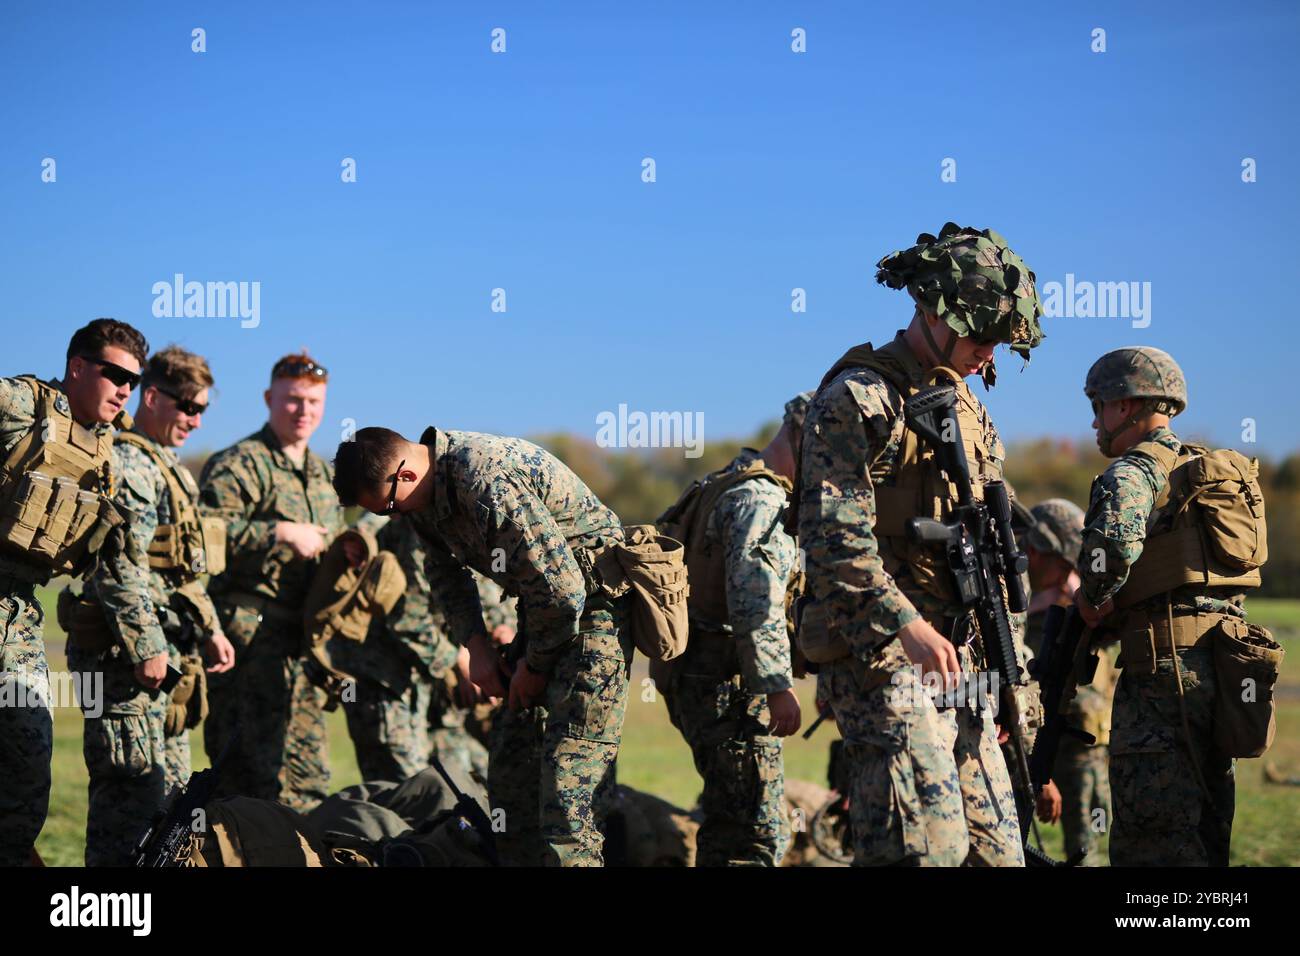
(266, 397)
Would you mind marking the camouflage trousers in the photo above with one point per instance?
(282, 753)
(743, 800)
(26, 725)
(550, 767)
(1082, 777)
(928, 787)
(1162, 816)
(131, 764)
(390, 731)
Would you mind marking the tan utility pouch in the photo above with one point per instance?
(1225, 486)
(816, 642)
(651, 569)
(214, 545)
(188, 705)
(50, 519)
(1246, 665)
(84, 622)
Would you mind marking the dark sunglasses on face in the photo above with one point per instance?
(184, 405)
(115, 373)
(295, 368)
(392, 494)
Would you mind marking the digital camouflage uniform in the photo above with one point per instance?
(26, 719)
(282, 753)
(1161, 815)
(717, 692)
(1080, 773)
(929, 786)
(1173, 788)
(517, 515)
(132, 763)
(403, 708)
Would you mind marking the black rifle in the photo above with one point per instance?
(1055, 669)
(986, 565)
(468, 808)
(171, 828)
(812, 729)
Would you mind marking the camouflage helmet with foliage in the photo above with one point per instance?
(974, 282)
(1057, 528)
(1138, 371)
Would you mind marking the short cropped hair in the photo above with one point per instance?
(363, 463)
(175, 370)
(91, 339)
(299, 365)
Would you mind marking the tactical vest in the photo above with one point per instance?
(1207, 529)
(687, 521)
(192, 544)
(913, 485)
(53, 488)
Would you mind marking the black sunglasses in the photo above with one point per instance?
(293, 368)
(392, 494)
(184, 405)
(115, 373)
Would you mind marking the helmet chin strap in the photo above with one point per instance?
(944, 355)
(1108, 435)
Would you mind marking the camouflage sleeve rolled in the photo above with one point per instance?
(411, 622)
(759, 558)
(543, 570)
(230, 488)
(122, 581)
(1115, 526)
(451, 588)
(848, 425)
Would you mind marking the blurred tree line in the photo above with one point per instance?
(640, 484)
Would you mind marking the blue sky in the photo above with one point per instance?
(522, 171)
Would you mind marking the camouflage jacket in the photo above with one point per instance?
(516, 514)
(1115, 530)
(759, 556)
(125, 587)
(854, 421)
(141, 490)
(254, 485)
(410, 642)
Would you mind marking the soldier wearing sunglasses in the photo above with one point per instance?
(57, 518)
(274, 496)
(137, 749)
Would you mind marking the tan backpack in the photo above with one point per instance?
(650, 568)
(343, 600)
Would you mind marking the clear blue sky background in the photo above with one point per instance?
(523, 171)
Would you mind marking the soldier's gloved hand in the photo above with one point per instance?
(1049, 803)
(485, 667)
(304, 539)
(526, 688)
(1092, 616)
(219, 653)
(151, 672)
(786, 713)
(934, 653)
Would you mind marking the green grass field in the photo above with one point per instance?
(653, 758)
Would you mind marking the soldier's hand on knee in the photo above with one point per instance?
(786, 713)
(151, 672)
(926, 647)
